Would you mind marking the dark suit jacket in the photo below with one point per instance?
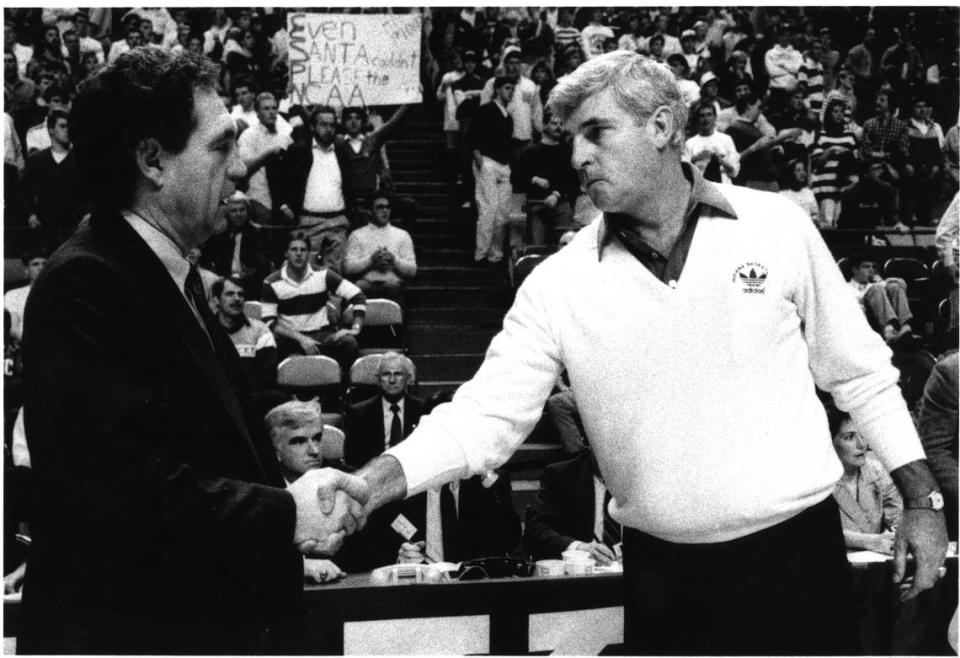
(290, 183)
(160, 525)
(365, 430)
(564, 509)
(218, 252)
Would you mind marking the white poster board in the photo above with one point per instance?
(346, 60)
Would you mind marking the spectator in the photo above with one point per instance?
(830, 57)
(13, 166)
(870, 505)
(55, 98)
(15, 301)
(571, 59)
(870, 202)
(490, 141)
(542, 76)
(570, 512)
(860, 58)
(811, 77)
(524, 107)
(53, 199)
(655, 45)
(48, 54)
(314, 193)
(18, 92)
(734, 75)
(565, 33)
(295, 307)
(132, 38)
(844, 91)
(374, 425)
(451, 128)
(783, 64)
(885, 136)
(713, 152)
(794, 187)
(937, 427)
(726, 116)
(689, 90)
(795, 128)
(466, 93)
(633, 38)
(379, 256)
(296, 432)
(901, 63)
(245, 94)
(834, 158)
(88, 44)
(757, 169)
(262, 146)
(595, 33)
(884, 301)
(688, 45)
(671, 44)
(216, 36)
(240, 251)
(255, 343)
(363, 166)
(544, 174)
(920, 186)
(951, 156)
(11, 43)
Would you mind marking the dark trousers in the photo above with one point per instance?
(783, 590)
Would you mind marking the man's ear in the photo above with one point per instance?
(150, 161)
(662, 125)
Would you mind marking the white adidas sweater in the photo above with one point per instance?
(698, 400)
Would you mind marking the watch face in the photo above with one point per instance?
(936, 500)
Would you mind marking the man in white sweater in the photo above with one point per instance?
(694, 320)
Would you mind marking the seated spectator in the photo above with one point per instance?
(361, 156)
(870, 505)
(795, 127)
(734, 75)
(379, 256)
(53, 199)
(262, 147)
(794, 186)
(671, 44)
(18, 92)
(542, 76)
(757, 169)
(15, 300)
(571, 512)
(937, 427)
(708, 92)
(386, 419)
(834, 162)
(544, 174)
(215, 38)
(296, 431)
(55, 99)
(688, 46)
(923, 173)
(253, 339)
(884, 301)
(728, 114)
(131, 39)
(240, 251)
(843, 90)
(871, 202)
(633, 38)
(595, 33)
(295, 308)
(313, 194)
(810, 77)
(885, 136)
(714, 153)
(689, 90)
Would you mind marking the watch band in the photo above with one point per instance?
(932, 501)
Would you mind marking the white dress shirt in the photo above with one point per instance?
(324, 191)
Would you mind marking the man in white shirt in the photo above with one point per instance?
(132, 38)
(246, 96)
(260, 147)
(783, 63)
(713, 152)
(379, 256)
(15, 301)
(216, 36)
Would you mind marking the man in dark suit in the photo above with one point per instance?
(160, 524)
(374, 425)
(241, 250)
(565, 515)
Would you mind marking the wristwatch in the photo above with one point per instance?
(933, 500)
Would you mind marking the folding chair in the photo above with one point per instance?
(253, 310)
(331, 445)
(382, 327)
(910, 270)
(524, 266)
(313, 376)
(364, 377)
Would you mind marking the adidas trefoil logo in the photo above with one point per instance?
(752, 277)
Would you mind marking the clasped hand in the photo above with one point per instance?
(329, 507)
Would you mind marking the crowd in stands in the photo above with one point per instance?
(851, 112)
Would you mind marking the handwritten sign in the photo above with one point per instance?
(354, 59)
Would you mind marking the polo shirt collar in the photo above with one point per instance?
(286, 277)
(702, 193)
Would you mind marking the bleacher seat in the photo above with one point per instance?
(911, 270)
(253, 310)
(331, 445)
(364, 379)
(313, 376)
(382, 327)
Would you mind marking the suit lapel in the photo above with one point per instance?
(138, 259)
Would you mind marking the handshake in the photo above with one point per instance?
(330, 506)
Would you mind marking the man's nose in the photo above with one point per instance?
(313, 447)
(581, 152)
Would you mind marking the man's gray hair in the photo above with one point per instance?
(639, 84)
(390, 356)
(291, 415)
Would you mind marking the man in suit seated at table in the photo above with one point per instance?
(570, 512)
(295, 429)
(384, 420)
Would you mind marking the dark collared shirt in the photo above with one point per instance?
(668, 267)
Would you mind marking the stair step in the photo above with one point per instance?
(443, 339)
(464, 239)
(477, 316)
(437, 256)
(446, 367)
(465, 296)
(438, 276)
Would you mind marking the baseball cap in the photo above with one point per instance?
(707, 77)
(511, 50)
(688, 34)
